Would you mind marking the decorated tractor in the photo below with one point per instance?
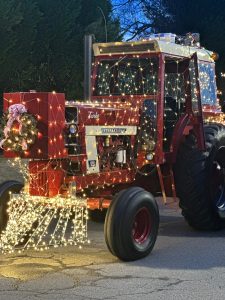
(150, 124)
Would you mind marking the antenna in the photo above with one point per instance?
(106, 33)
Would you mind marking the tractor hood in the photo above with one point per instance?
(84, 113)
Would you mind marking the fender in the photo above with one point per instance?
(182, 128)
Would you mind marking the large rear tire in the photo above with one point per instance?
(5, 189)
(199, 179)
(131, 224)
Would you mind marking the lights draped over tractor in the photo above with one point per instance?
(41, 215)
(146, 98)
(39, 223)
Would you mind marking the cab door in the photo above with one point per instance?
(190, 115)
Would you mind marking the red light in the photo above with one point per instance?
(40, 135)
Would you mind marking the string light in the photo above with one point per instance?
(33, 218)
(133, 76)
(40, 222)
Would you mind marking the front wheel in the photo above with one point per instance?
(131, 224)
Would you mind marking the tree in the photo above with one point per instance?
(18, 25)
(42, 42)
(180, 17)
(205, 17)
(58, 50)
(139, 18)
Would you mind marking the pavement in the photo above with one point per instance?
(185, 264)
(8, 172)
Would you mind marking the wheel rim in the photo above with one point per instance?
(141, 226)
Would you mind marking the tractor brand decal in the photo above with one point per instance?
(93, 115)
(110, 130)
(113, 130)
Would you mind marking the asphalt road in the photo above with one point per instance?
(183, 265)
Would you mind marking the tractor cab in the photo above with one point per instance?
(165, 77)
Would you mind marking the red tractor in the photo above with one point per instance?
(150, 123)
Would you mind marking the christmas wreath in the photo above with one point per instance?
(18, 129)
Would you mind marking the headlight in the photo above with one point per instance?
(150, 156)
(73, 129)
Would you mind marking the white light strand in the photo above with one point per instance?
(38, 223)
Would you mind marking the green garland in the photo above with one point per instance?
(15, 139)
(3, 122)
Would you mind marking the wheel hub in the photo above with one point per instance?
(141, 226)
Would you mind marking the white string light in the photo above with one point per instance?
(39, 222)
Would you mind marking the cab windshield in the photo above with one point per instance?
(127, 76)
(207, 83)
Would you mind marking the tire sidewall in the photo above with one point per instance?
(193, 172)
(209, 166)
(143, 199)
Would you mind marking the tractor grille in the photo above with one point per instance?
(71, 114)
(72, 141)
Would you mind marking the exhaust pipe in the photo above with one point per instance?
(88, 40)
